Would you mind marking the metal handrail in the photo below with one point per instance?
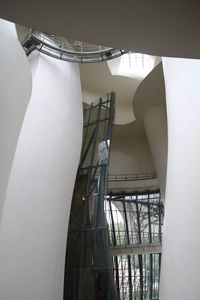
(132, 176)
(73, 51)
(146, 240)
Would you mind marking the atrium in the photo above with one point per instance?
(99, 165)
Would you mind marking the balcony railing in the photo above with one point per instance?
(132, 177)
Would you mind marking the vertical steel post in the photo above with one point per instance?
(140, 258)
(129, 261)
(150, 258)
(114, 244)
(160, 219)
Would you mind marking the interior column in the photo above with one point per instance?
(15, 92)
(181, 243)
(37, 207)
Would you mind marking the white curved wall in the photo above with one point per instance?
(155, 123)
(36, 212)
(181, 244)
(15, 92)
(130, 155)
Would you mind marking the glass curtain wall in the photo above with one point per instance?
(137, 221)
(89, 268)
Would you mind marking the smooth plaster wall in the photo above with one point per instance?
(90, 96)
(130, 156)
(15, 92)
(181, 243)
(155, 123)
(36, 213)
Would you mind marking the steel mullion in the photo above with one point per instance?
(140, 255)
(140, 260)
(86, 130)
(117, 274)
(138, 221)
(149, 220)
(160, 220)
(151, 275)
(94, 145)
(129, 262)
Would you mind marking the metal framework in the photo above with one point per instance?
(135, 230)
(68, 50)
(89, 269)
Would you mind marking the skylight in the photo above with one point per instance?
(135, 65)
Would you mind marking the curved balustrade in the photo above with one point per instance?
(68, 50)
(132, 177)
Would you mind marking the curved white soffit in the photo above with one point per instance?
(97, 81)
(150, 92)
(124, 110)
(124, 113)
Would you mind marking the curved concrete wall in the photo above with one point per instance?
(155, 122)
(130, 156)
(36, 213)
(15, 92)
(181, 244)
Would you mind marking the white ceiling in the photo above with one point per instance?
(150, 93)
(97, 81)
(162, 28)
